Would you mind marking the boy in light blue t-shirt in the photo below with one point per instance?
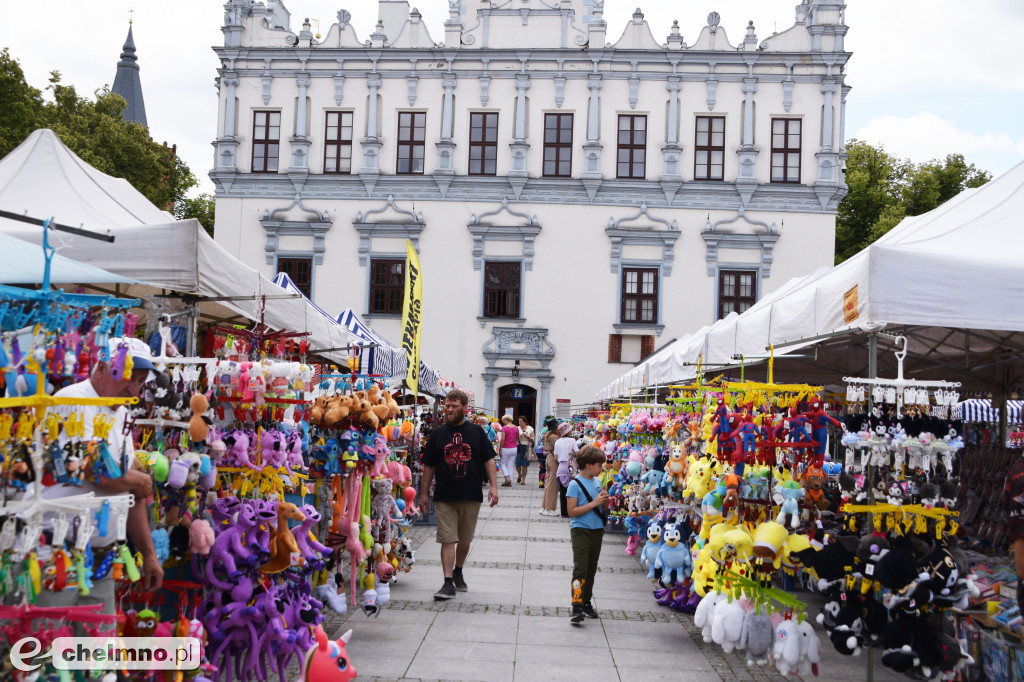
(587, 501)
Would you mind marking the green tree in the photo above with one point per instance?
(200, 207)
(884, 189)
(874, 178)
(94, 129)
(21, 106)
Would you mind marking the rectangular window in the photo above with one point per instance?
(266, 141)
(483, 144)
(640, 295)
(387, 286)
(557, 145)
(786, 150)
(737, 291)
(632, 159)
(338, 142)
(412, 127)
(501, 289)
(709, 148)
(301, 272)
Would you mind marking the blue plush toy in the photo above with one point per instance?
(674, 558)
(655, 541)
(161, 544)
(793, 492)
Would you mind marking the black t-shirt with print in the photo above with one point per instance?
(458, 455)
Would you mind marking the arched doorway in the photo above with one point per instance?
(521, 400)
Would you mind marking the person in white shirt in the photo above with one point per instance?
(101, 384)
(564, 449)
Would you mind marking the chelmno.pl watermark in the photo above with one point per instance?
(109, 653)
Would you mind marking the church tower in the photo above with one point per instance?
(127, 83)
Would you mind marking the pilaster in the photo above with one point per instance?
(746, 180)
(369, 173)
(671, 178)
(592, 177)
(518, 175)
(828, 162)
(300, 143)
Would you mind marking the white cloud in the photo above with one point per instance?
(925, 136)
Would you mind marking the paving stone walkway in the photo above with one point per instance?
(513, 623)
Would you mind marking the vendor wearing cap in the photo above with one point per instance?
(102, 384)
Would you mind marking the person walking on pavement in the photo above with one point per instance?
(547, 506)
(523, 453)
(508, 437)
(565, 448)
(457, 457)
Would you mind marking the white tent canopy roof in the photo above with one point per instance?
(959, 266)
(42, 178)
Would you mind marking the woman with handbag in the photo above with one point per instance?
(523, 454)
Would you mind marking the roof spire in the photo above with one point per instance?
(127, 83)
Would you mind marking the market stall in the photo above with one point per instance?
(275, 498)
(858, 479)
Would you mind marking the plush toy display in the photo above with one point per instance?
(752, 493)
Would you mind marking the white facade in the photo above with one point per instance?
(570, 237)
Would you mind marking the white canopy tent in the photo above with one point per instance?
(43, 178)
(952, 280)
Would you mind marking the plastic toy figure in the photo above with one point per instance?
(819, 422)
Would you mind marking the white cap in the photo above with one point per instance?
(142, 356)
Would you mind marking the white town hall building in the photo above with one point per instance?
(579, 194)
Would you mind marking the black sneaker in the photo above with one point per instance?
(577, 615)
(589, 611)
(460, 582)
(447, 591)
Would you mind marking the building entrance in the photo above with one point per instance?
(521, 400)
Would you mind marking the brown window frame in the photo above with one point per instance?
(637, 296)
(488, 142)
(559, 146)
(389, 293)
(304, 284)
(634, 169)
(261, 138)
(503, 301)
(737, 299)
(709, 148)
(786, 151)
(407, 142)
(334, 146)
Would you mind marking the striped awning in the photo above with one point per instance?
(385, 359)
(381, 358)
(982, 410)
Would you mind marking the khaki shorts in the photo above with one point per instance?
(456, 521)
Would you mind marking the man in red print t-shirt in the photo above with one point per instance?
(456, 458)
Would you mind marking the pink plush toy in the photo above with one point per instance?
(410, 501)
(200, 537)
(356, 553)
(328, 661)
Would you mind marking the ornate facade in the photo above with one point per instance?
(569, 184)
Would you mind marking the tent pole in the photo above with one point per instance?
(873, 355)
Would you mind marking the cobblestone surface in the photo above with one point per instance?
(486, 648)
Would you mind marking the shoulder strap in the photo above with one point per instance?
(599, 510)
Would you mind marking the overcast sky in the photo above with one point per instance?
(929, 77)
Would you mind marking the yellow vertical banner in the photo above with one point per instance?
(412, 309)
